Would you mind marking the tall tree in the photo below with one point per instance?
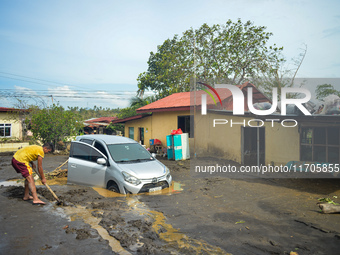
(229, 53)
(280, 74)
(53, 124)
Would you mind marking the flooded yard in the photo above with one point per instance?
(192, 216)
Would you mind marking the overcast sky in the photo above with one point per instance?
(95, 50)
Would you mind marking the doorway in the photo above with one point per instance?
(141, 135)
(253, 145)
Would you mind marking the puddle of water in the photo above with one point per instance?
(55, 181)
(172, 235)
(11, 183)
(81, 212)
(175, 187)
(108, 193)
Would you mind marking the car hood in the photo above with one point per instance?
(144, 170)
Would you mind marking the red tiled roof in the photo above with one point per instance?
(182, 101)
(101, 119)
(5, 109)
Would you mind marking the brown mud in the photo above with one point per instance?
(194, 216)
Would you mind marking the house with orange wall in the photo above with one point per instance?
(274, 139)
(158, 119)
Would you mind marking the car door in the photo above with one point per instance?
(83, 167)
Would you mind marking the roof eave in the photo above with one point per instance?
(165, 109)
(136, 117)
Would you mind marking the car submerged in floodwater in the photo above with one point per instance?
(116, 163)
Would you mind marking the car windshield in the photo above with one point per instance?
(129, 152)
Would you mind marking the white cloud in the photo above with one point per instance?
(25, 91)
(84, 98)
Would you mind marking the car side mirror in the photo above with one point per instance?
(153, 155)
(101, 161)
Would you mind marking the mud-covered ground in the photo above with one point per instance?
(195, 216)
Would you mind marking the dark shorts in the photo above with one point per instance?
(20, 167)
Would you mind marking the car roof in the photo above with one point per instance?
(108, 139)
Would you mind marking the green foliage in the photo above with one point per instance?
(135, 103)
(138, 102)
(53, 124)
(325, 90)
(229, 53)
(116, 127)
(127, 112)
(96, 112)
(327, 200)
(9, 140)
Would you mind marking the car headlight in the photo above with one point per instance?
(131, 179)
(166, 170)
(167, 173)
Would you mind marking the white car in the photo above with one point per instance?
(116, 163)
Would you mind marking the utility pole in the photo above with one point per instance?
(195, 95)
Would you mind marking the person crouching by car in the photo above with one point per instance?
(21, 163)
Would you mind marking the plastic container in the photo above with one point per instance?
(156, 142)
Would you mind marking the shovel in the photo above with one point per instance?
(48, 187)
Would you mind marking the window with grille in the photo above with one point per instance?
(131, 133)
(321, 144)
(5, 130)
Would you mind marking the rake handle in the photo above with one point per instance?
(48, 187)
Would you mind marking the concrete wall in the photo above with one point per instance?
(281, 143)
(220, 141)
(156, 126)
(140, 123)
(9, 147)
(12, 118)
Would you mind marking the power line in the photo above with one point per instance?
(75, 91)
(106, 97)
(75, 94)
(37, 79)
(25, 80)
(33, 78)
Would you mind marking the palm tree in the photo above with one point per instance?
(137, 102)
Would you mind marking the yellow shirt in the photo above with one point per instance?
(29, 154)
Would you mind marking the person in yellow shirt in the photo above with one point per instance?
(21, 163)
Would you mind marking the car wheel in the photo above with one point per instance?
(112, 186)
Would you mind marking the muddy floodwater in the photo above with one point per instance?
(193, 216)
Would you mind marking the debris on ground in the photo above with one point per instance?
(329, 208)
(56, 174)
(327, 200)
